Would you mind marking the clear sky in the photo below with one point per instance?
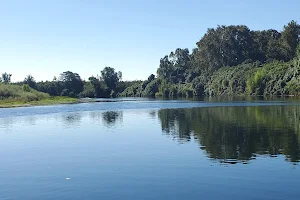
(47, 37)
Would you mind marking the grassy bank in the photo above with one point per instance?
(10, 103)
(19, 96)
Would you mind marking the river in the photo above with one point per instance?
(151, 149)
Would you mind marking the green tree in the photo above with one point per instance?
(73, 84)
(6, 78)
(29, 80)
(54, 88)
(99, 89)
(290, 39)
(88, 90)
(173, 67)
(165, 69)
(180, 60)
(151, 78)
(110, 77)
(266, 45)
(275, 51)
(225, 46)
(152, 88)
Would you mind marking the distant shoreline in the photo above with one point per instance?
(12, 103)
(53, 101)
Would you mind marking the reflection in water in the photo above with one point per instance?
(71, 119)
(111, 117)
(237, 134)
(153, 114)
(228, 134)
(68, 120)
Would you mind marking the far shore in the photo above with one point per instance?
(11, 103)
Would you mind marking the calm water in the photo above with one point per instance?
(151, 150)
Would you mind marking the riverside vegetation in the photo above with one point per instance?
(228, 60)
(15, 95)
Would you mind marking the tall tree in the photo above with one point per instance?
(225, 46)
(72, 83)
(29, 80)
(290, 38)
(165, 69)
(98, 90)
(110, 77)
(151, 78)
(180, 60)
(265, 43)
(6, 78)
(173, 67)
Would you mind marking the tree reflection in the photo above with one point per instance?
(71, 119)
(110, 118)
(234, 134)
(153, 114)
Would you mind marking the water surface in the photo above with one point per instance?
(151, 150)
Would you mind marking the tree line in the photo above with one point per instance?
(108, 84)
(228, 60)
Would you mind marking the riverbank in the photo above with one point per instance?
(11, 103)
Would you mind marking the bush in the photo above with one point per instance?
(26, 88)
(20, 93)
(256, 84)
(229, 80)
(152, 88)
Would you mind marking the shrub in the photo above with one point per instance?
(26, 88)
(20, 93)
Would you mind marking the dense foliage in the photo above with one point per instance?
(20, 93)
(70, 84)
(228, 60)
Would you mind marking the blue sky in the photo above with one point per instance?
(45, 38)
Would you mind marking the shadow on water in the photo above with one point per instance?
(237, 134)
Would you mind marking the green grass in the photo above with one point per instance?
(19, 96)
(9, 103)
